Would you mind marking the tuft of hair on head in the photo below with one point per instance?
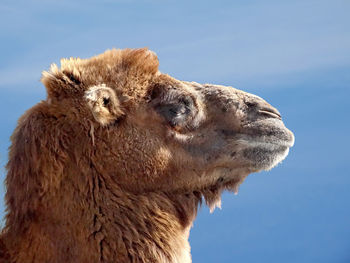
(141, 60)
(61, 83)
(104, 104)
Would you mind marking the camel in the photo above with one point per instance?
(114, 163)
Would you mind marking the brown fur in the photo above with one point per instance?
(101, 171)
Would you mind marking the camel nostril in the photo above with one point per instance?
(271, 112)
(251, 104)
(263, 108)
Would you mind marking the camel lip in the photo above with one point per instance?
(271, 146)
(268, 132)
(284, 139)
(266, 143)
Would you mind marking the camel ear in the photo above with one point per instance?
(60, 83)
(104, 104)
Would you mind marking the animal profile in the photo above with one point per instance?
(114, 163)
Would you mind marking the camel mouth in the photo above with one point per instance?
(271, 131)
(266, 143)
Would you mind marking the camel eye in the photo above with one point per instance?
(174, 106)
(176, 113)
(186, 102)
(106, 101)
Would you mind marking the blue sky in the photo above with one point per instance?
(295, 54)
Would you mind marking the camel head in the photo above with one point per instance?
(113, 164)
(151, 132)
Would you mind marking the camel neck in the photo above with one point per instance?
(150, 228)
(109, 227)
